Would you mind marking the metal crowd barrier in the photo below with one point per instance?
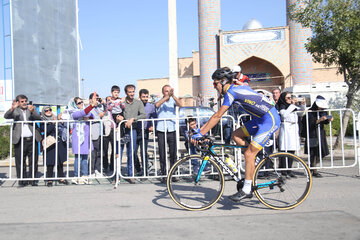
(153, 170)
(344, 158)
(42, 157)
(347, 157)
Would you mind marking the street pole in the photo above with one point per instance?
(83, 86)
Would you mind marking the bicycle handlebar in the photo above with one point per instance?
(204, 143)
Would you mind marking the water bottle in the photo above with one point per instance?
(230, 163)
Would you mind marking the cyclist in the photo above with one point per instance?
(265, 121)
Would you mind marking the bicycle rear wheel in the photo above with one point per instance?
(273, 185)
(193, 192)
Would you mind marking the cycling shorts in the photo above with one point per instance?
(262, 128)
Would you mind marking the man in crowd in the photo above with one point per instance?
(134, 110)
(23, 138)
(147, 127)
(166, 131)
(276, 94)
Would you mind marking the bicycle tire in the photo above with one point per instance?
(192, 195)
(275, 188)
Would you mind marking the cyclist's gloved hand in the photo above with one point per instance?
(197, 136)
(195, 131)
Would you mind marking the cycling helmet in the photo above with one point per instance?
(221, 73)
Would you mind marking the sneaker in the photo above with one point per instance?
(86, 180)
(74, 181)
(92, 175)
(317, 174)
(81, 181)
(98, 174)
(131, 181)
(292, 175)
(237, 197)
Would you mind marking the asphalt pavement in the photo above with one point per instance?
(145, 211)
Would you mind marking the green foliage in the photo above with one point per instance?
(336, 125)
(335, 40)
(4, 141)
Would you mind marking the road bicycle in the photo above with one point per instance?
(196, 182)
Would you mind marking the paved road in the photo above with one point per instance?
(145, 211)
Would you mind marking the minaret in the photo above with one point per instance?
(300, 59)
(209, 26)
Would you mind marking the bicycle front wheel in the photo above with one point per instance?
(191, 190)
(282, 181)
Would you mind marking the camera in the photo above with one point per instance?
(99, 100)
(30, 102)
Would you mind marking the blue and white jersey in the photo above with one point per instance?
(248, 100)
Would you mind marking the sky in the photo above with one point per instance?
(123, 41)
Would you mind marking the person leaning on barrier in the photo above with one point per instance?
(313, 120)
(96, 129)
(166, 108)
(47, 115)
(146, 127)
(134, 110)
(289, 138)
(22, 138)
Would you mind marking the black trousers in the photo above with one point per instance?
(171, 143)
(50, 170)
(95, 156)
(108, 140)
(282, 162)
(27, 152)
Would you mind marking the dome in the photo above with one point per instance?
(252, 24)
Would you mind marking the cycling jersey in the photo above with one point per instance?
(247, 99)
(266, 119)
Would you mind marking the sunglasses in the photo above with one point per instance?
(288, 98)
(78, 103)
(48, 110)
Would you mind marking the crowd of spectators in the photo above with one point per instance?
(91, 141)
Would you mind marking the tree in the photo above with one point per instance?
(335, 39)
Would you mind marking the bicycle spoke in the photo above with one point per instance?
(188, 193)
(277, 188)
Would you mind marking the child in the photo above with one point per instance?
(115, 105)
(191, 122)
(193, 129)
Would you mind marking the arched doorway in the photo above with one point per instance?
(262, 74)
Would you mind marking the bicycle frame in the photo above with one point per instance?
(210, 152)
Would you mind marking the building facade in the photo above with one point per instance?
(264, 54)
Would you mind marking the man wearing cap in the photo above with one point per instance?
(240, 79)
